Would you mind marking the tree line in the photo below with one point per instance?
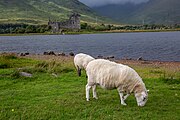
(103, 27)
(25, 28)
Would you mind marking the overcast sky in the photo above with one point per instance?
(93, 3)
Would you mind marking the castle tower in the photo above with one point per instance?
(75, 21)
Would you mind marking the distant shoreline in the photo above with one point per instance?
(93, 32)
(70, 56)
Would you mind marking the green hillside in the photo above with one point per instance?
(152, 12)
(39, 11)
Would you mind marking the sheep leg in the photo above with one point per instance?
(122, 98)
(87, 92)
(94, 92)
(125, 97)
(79, 71)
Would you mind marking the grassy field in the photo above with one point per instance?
(56, 92)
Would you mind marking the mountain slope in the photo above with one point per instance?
(117, 12)
(39, 11)
(152, 12)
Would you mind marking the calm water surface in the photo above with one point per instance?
(163, 46)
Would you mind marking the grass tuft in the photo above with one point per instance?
(10, 56)
(6, 61)
(4, 65)
(170, 80)
(15, 74)
(52, 67)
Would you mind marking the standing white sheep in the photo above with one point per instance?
(110, 75)
(81, 60)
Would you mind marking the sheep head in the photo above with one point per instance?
(141, 98)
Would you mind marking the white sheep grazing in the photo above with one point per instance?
(111, 75)
(81, 60)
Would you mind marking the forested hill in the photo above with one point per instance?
(39, 11)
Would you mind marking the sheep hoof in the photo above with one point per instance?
(95, 98)
(123, 104)
(87, 100)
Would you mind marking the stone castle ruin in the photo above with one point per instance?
(72, 24)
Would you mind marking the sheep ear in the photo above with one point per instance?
(147, 90)
(137, 86)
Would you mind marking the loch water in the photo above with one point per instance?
(163, 46)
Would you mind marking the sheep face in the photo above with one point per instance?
(141, 98)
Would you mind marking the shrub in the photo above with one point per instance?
(4, 65)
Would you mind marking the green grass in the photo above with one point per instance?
(45, 96)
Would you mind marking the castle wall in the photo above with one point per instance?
(73, 24)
